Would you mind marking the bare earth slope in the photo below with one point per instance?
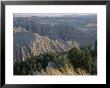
(27, 43)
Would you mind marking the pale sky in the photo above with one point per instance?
(49, 14)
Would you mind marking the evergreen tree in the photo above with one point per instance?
(75, 57)
(87, 59)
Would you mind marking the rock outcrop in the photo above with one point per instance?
(81, 28)
(27, 43)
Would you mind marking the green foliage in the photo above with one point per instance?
(75, 58)
(89, 55)
(85, 58)
(21, 68)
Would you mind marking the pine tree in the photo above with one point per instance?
(75, 57)
(87, 59)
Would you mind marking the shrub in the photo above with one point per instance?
(75, 58)
(87, 59)
(65, 63)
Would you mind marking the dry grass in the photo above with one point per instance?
(67, 70)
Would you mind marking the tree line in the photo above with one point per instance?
(84, 58)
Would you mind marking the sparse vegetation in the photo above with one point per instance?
(55, 44)
(73, 62)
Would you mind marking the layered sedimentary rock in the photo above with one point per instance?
(81, 28)
(27, 43)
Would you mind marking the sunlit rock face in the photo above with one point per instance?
(35, 35)
(27, 43)
(80, 28)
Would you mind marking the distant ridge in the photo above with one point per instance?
(82, 28)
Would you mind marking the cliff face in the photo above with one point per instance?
(82, 29)
(35, 35)
(27, 43)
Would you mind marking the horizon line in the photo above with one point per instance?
(51, 14)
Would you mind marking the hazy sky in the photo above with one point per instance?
(49, 14)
